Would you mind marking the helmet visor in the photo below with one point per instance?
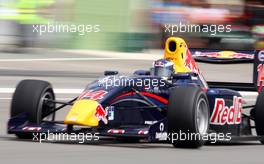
(162, 72)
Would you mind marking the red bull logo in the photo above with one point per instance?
(227, 115)
(190, 62)
(101, 114)
(260, 74)
(224, 55)
(260, 77)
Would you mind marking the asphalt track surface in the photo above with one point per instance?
(75, 74)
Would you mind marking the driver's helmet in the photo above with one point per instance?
(162, 68)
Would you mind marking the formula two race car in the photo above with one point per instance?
(171, 102)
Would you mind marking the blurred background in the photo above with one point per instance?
(130, 25)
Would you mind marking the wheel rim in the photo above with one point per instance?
(202, 116)
(45, 107)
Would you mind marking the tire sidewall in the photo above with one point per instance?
(182, 114)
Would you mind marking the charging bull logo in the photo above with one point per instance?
(190, 63)
(224, 55)
(176, 51)
(223, 114)
(101, 114)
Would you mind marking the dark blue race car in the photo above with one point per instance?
(171, 103)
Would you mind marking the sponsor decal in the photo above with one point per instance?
(93, 95)
(142, 132)
(190, 63)
(161, 136)
(261, 55)
(260, 82)
(110, 113)
(150, 122)
(223, 114)
(31, 129)
(260, 74)
(161, 127)
(101, 114)
(116, 131)
(224, 55)
(193, 67)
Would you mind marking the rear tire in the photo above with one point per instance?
(188, 113)
(29, 97)
(259, 115)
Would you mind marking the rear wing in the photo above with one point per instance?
(222, 56)
(230, 57)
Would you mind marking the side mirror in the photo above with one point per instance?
(108, 73)
(184, 75)
(141, 72)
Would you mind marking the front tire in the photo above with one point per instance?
(188, 114)
(30, 98)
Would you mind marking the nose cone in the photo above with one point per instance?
(86, 112)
